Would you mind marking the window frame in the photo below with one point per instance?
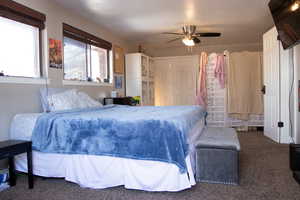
(89, 40)
(23, 14)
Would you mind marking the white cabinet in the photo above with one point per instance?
(140, 77)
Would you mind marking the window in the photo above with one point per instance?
(20, 40)
(86, 57)
(75, 64)
(19, 55)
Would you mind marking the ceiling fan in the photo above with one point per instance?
(189, 36)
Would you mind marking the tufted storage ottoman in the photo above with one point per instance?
(217, 156)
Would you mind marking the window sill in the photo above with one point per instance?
(23, 80)
(86, 83)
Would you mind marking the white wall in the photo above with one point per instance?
(19, 98)
(296, 120)
(294, 73)
(183, 51)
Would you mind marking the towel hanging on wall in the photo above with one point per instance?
(220, 70)
(201, 98)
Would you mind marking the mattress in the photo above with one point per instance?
(97, 172)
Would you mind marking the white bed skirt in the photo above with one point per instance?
(103, 171)
(100, 172)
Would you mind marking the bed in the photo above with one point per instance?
(102, 170)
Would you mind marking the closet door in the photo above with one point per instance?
(151, 93)
(145, 77)
(272, 82)
(145, 93)
(175, 80)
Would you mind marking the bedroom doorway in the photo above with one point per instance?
(176, 80)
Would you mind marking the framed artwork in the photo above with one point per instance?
(118, 82)
(119, 60)
(55, 53)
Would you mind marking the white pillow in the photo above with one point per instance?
(85, 101)
(71, 99)
(63, 100)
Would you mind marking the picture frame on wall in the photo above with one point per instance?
(55, 53)
(118, 82)
(119, 60)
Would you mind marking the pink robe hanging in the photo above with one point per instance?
(220, 70)
(201, 98)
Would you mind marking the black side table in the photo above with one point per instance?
(10, 148)
(119, 100)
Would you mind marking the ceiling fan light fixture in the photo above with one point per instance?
(188, 42)
(295, 6)
(190, 37)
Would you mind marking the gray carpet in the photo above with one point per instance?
(265, 174)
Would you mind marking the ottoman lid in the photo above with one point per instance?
(218, 137)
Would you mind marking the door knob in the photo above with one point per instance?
(263, 89)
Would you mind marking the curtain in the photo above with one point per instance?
(201, 98)
(244, 95)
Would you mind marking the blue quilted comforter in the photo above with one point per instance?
(144, 133)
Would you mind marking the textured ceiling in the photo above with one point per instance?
(142, 21)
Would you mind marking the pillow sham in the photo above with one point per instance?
(71, 99)
(85, 101)
(63, 101)
(45, 92)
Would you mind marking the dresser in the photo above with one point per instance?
(140, 77)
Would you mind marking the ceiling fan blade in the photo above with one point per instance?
(170, 33)
(196, 40)
(174, 40)
(208, 34)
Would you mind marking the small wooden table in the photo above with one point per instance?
(10, 148)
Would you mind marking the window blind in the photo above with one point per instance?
(77, 34)
(18, 12)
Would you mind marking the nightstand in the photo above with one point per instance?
(119, 100)
(11, 148)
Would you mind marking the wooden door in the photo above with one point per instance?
(271, 71)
